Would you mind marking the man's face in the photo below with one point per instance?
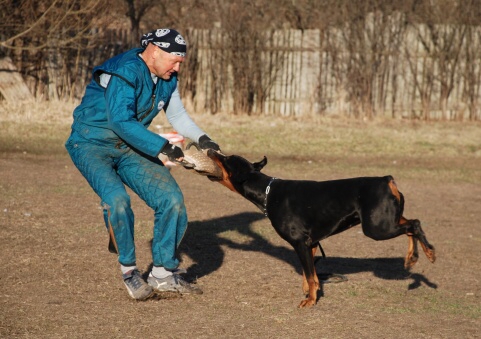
(165, 64)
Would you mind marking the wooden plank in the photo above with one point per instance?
(12, 86)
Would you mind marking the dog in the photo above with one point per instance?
(305, 212)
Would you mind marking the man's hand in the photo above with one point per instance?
(205, 143)
(172, 152)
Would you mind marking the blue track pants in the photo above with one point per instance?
(107, 170)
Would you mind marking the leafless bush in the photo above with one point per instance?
(372, 54)
(48, 41)
(441, 33)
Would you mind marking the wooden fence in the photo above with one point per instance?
(395, 71)
(317, 74)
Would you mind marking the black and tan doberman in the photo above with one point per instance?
(305, 212)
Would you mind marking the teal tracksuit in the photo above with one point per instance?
(112, 147)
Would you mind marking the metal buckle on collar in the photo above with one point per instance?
(268, 189)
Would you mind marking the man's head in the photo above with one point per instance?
(165, 50)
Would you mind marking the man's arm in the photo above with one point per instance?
(180, 119)
(121, 115)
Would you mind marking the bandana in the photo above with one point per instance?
(168, 40)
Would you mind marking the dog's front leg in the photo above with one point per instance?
(310, 281)
(305, 284)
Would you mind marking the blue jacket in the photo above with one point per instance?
(125, 108)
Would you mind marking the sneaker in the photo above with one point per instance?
(137, 287)
(172, 283)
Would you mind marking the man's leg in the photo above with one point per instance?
(97, 165)
(155, 185)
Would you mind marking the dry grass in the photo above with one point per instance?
(279, 136)
(59, 280)
(43, 127)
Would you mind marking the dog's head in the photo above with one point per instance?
(235, 169)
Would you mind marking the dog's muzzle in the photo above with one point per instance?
(198, 161)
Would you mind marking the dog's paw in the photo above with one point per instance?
(410, 260)
(307, 303)
(430, 252)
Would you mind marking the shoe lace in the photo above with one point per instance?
(135, 280)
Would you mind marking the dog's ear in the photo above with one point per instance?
(260, 165)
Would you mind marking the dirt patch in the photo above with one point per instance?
(58, 279)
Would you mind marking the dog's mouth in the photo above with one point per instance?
(224, 179)
(215, 176)
(214, 155)
(195, 159)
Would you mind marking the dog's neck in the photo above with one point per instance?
(258, 196)
(268, 189)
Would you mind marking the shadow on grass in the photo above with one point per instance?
(203, 244)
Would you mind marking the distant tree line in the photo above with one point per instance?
(55, 44)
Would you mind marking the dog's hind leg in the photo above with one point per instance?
(413, 230)
(416, 233)
(412, 255)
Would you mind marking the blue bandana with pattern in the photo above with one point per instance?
(168, 40)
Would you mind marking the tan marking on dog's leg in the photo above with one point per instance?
(412, 255)
(394, 190)
(312, 296)
(430, 252)
(316, 278)
(305, 284)
(312, 284)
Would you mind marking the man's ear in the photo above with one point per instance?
(154, 51)
(260, 165)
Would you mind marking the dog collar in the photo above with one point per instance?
(268, 189)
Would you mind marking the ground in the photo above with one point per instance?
(58, 279)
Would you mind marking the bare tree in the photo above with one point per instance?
(135, 12)
(442, 34)
(371, 37)
(470, 64)
(246, 31)
(46, 39)
(471, 71)
(34, 25)
(237, 48)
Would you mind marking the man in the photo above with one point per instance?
(111, 146)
